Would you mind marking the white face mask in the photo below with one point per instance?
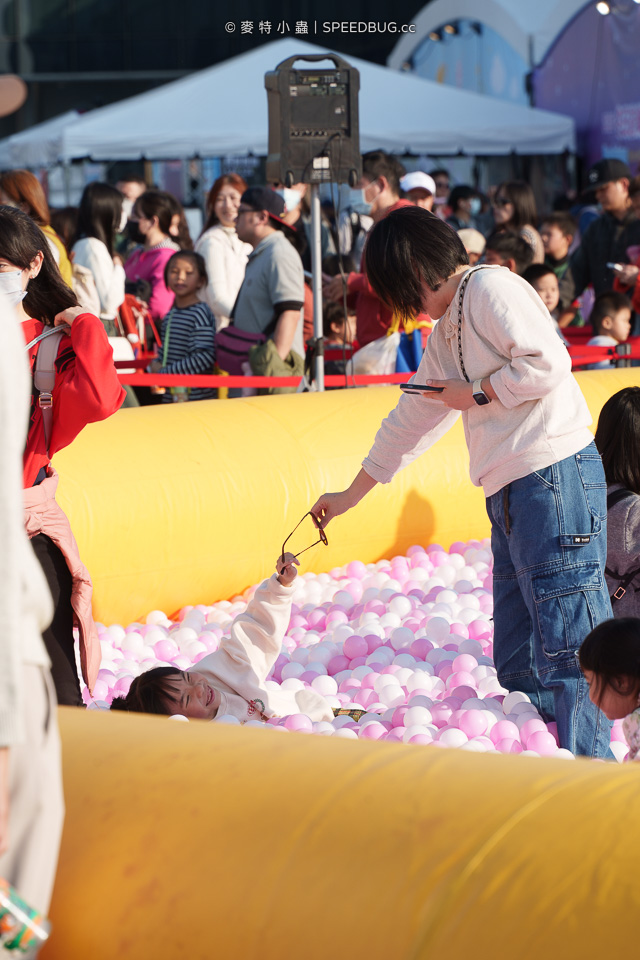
(123, 220)
(11, 287)
(475, 206)
(291, 198)
(359, 203)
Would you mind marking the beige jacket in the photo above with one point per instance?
(239, 669)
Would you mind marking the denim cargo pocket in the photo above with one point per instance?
(593, 481)
(569, 603)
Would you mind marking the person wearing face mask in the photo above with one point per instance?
(100, 217)
(225, 254)
(298, 215)
(514, 209)
(85, 389)
(465, 205)
(379, 195)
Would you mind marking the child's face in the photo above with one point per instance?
(554, 241)
(344, 332)
(493, 258)
(184, 279)
(615, 702)
(547, 289)
(618, 326)
(192, 696)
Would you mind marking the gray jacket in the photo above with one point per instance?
(623, 551)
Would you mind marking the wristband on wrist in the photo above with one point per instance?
(478, 393)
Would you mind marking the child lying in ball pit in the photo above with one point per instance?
(232, 680)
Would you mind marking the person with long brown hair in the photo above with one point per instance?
(83, 388)
(514, 208)
(154, 213)
(22, 189)
(225, 255)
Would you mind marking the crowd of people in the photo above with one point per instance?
(407, 253)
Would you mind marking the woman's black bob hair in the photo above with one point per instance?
(406, 249)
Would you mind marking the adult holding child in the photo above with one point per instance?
(225, 254)
(497, 359)
(74, 383)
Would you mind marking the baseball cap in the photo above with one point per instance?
(472, 240)
(604, 171)
(264, 198)
(417, 180)
(13, 93)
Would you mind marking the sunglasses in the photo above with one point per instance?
(322, 534)
(501, 202)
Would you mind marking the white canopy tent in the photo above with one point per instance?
(39, 146)
(222, 111)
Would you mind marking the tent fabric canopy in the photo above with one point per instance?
(222, 111)
(38, 146)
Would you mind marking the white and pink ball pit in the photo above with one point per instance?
(409, 641)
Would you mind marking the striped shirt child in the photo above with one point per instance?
(188, 346)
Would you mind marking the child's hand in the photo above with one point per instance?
(155, 366)
(287, 571)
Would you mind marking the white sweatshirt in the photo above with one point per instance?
(25, 602)
(109, 277)
(239, 668)
(540, 415)
(226, 258)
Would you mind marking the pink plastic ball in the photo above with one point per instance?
(336, 664)
(299, 723)
(503, 730)
(166, 650)
(373, 731)
(355, 646)
(464, 663)
(542, 742)
(529, 728)
(422, 738)
(420, 648)
(474, 722)
(373, 642)
(356, 569)
(508, 746)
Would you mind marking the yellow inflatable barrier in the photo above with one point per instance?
(189, 503)
(198, 841)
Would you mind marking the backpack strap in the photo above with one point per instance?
(616, 497)
(44, 374)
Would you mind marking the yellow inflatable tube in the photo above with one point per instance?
(189, 503)
(198, 840)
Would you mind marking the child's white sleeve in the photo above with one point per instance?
(256, 635)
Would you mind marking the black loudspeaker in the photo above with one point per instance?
(314, 134)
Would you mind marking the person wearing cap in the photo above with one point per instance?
(271, 297)
(606, 239)
(419, 188)
(380, 188)
(473, 242)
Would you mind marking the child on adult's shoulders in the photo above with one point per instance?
(611, 322)
(233, 679)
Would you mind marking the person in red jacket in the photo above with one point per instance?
(85, 389)
(380, 186)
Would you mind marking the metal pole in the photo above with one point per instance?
(316, 272)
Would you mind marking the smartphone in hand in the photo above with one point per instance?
(419, 388)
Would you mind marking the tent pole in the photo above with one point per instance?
(66, 175)
(316, 271)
